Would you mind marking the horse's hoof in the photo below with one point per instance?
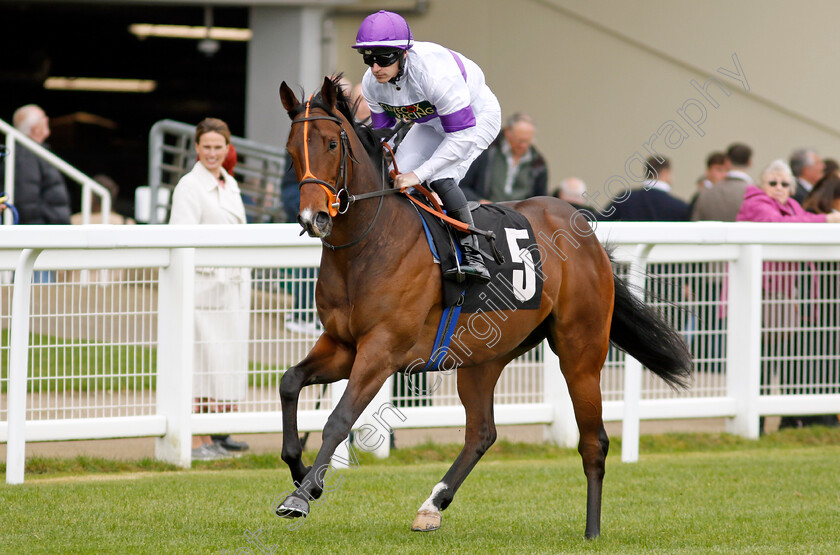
(426, 521)
(293, 507)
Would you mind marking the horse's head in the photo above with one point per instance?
(320, 148)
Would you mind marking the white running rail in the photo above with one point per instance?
(113, 358)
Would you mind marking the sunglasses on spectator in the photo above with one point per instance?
(784, 184)
(382, 60)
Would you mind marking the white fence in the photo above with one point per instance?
(104, 348)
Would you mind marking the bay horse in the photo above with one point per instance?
(379, 299)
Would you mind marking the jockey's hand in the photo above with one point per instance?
(406, 180)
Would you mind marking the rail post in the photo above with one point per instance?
(18, 359)
(743, 337)
(176, 338)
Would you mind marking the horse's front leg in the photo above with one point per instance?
(475, 388)
(327, 362)
(370, 370)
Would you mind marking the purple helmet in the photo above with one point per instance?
(384, 30)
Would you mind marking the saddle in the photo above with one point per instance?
(515, 279)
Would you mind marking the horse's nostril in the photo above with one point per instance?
(322, 221)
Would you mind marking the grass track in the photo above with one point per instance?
(781, 497)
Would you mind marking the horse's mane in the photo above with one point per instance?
(347, 107)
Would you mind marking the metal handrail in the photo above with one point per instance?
(13, 136)
(263, 163)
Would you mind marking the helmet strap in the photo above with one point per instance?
(400, 71)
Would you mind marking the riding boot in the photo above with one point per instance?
(455, 203)
(472, 263)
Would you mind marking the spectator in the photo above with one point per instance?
(571, 190)
(40, 193)
(653, 201)
(96, 216)
(511, 168)
(773, 202)
(825, 197)
(740, 161)
(832, 167)
(722, 201)
(208, 194)
(807, 168)
(717, 166)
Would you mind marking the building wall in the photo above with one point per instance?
(601, 77)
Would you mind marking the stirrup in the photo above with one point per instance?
(472, 265)
(476, 272)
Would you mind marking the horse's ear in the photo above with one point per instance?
(328, 94)
(288, 98)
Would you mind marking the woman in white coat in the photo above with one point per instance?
(210, 195)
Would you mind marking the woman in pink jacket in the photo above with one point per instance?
(781, 315)
(772, 202)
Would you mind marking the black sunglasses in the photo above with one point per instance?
(784, 184)
(382, 60)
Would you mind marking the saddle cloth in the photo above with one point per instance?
(514, 285)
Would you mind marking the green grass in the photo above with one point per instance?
(62, 362)
(690, 493)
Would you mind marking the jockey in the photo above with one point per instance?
(455, 113)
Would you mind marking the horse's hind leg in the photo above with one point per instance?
(475, 388)
(581, 342)
(327, 362)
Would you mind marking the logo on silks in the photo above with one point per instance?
(419, 110)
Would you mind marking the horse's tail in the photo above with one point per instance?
(643, 333)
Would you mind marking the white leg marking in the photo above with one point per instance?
(428, 505)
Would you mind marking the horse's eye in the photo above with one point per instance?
(333, 144)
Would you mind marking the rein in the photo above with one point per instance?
(340, 200)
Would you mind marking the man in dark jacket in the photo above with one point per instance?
(40, 194)
(510, 168)
(652, 202)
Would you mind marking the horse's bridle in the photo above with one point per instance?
(339, 199)
(345, 154)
